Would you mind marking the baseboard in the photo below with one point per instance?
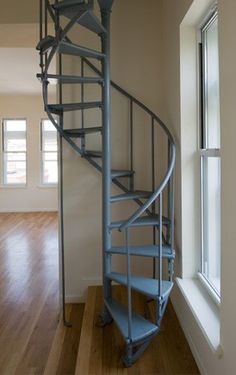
(13, 210)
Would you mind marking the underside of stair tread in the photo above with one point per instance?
(87, 18)
(93, 154)
(137, 194)
(78, 133)
(57, 108)
(68, 3)
(149, 287)
(151, 220)
(76, 50)
(116, 173)
(69, 79)
(141, 328)
(145, 250)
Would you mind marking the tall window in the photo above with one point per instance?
(210, 155)
(14, 151)
(49, 153)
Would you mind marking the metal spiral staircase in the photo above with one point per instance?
(151, 205)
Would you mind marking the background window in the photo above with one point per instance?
(210, 154)
(49, 153)
(14, 151)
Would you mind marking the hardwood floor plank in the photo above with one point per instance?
(100, 354)
(29, 298)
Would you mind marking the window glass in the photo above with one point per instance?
(14, 152)
(49, 153)
(210, 156)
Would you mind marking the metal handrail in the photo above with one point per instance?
(171, 166)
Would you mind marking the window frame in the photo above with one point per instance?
(42, 152)
(4, 153)
(204, 151)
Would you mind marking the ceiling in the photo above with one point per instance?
(18, 69)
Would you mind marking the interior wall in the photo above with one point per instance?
(136, 60)
(209, 362)
(33, 197)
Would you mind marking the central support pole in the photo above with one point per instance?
(106, 156)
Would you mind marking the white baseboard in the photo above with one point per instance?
(13, 210)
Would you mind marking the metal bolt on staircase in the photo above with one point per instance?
(136, 330)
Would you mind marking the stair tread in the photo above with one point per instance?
(77, 133)
(144, 250)
(68, 3)
(56, 78)
(55, 108)
(137, 194)
(76, 50)
(140, 328)
(142, 221)
(147, 286)
(116, 173)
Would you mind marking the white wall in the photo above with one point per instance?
(173, 12)
(33, 197)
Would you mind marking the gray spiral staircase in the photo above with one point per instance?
(151, 204)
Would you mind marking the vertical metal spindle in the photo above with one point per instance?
(129, 292)
(131, 143)
(153, 188)
(106, 155)
(46, 28)
(160, 247)
(41, 31)
(82, 101)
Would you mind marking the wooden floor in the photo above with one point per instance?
(31, 339)
(100, 350)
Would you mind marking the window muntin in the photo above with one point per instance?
(14, 151)
(210, 155)
(49, 153)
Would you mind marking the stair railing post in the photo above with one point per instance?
(129, 290)
(153, 188)
(131, 143)
(106, 152)
(160, 262)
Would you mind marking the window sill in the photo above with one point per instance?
(204, 310)
(13, 186)
(49, 186)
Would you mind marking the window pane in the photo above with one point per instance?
(15, 125)
(211, 83)
(211, 220)
(49, 136)
(49, 153)
(14, 149)
(50, 173)
(15, 172)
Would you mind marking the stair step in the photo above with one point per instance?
(144, 285)
(116, 173)
(87, 17)
(145, 251)
(55, 79)
(142, 221)
(137, 194)
(76, 50)
(78, 133)
(93, 154)
(46, 43)
(140, 329)
(58, 108)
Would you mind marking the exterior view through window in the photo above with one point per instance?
(14, 151)
(210, 155)
(49, 153)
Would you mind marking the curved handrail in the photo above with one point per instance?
(171, 165)
(154, 116)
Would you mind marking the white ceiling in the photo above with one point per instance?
(18, 69)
